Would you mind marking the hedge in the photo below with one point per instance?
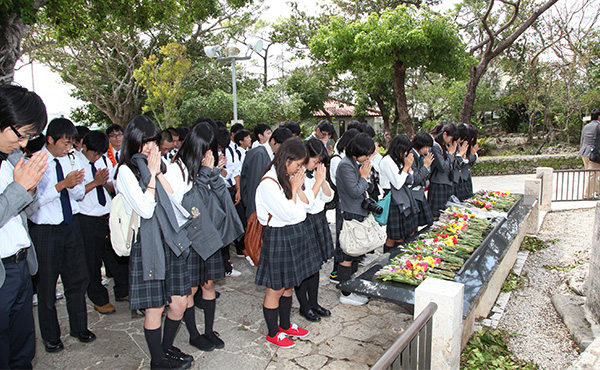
(488, 166)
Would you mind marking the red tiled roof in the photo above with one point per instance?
(337, 108)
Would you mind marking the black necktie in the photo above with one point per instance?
(117, 156)
(3, 157)
(64, 195)
(99, 188)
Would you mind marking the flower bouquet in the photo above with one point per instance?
(493, 200)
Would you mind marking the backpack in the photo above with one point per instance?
(122, 226)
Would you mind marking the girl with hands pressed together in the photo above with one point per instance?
(421, 170)
(444, 148)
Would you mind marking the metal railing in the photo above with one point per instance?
(571, 185)
(413, 349)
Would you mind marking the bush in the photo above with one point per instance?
(490, 166)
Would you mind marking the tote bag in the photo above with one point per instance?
(358, 238)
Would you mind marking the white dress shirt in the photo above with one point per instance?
(318, 204)
(270, 199)
(128, 186)
(390, 175)
(178, 180)
(90, 206)
(13, 234)
(50, 211)
(334, 162)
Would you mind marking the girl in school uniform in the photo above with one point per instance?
(395, 175)
(464, 188)
(285, 259)
(189, 175)
(440, 188)
(317, 229)
(158, 276)
(421, 144)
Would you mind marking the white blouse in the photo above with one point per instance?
(128, 186)
(270, 199)
(334, 162)
(319, 203)
(390, 175)
(178, 180)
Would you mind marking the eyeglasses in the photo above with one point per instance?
(114, 136)
(21, 137)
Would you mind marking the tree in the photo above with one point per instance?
(311, 84)
(163, 82)
(493, 32)
(358, 8)
(392, 43)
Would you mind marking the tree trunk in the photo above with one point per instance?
(475, 74)
(401, 105)
(12, 30)
(385, 115)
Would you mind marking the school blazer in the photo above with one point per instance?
(15, 200)
(465, 168)
(253, 169)
(419, 177)
(441, 168)
(351, 187)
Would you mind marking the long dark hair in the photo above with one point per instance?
(290, 150)
(316, 149)
(345, 139)
(473, 133)
(398, 147)
(139, 131)
(196, 144)
(450, 130)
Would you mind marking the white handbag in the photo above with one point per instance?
(358, 238)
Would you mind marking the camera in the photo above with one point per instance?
(371, 206)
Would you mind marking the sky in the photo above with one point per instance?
(55, 93)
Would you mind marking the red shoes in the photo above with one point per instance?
(281, 340)
(295, 331)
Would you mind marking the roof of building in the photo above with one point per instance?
(337, 108)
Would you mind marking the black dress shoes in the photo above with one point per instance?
(310, 315)
(85, 336)
(323, 312)
(53, 346)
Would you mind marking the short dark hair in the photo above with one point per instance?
(345, 139)
(182, 132)
(81, 132)
(421, 140)
(399, 145)
(20, 107)
(354, 124)
(96, 141)
(240, 135)
(236, 127)
(36, 144)
(595, 114)
(315, 148)
(364, 127)
(260, 129)
(114, 127)
(59, 128)
(463, 131)
(325, 126)
(165, 135)
(294, 127)
(361, 144)
(173, 132)
(280, 135)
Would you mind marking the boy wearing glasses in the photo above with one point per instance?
(22, 118)
(115, 138)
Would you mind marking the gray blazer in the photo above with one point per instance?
(419, 177)
(15, 200)
(588, 138)
(441, 168)
(350, 187)
(465, 168)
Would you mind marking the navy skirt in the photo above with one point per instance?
(286, 258)
(177, 278)
(144, 293)
(464, 189)
(400, 226)
(212, 268)
(424, 217)
(319, 233)
(438, 196)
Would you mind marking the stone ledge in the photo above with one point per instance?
(489, 166)
(572, 312)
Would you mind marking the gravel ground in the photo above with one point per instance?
(541, 336)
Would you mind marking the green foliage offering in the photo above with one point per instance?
(163, 81)
(512, 282)
(566, 268)
(488, 349)
(533, 244)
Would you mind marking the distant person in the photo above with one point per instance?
(115, 138)
(323, 132)
(294, 127)
(22, 118)
(262, 134)
(588, 139)
(81, 132)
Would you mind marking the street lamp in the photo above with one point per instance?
(231, 54)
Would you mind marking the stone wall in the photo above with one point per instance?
(490, 166)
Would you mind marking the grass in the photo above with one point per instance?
(488, 349)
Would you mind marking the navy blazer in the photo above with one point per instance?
(351, 187)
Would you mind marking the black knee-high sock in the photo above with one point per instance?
(387, 248)
(271, 316)
(313, 290)
(171, 327)
(209, 315)
(302, 294)
(354, 267)
(285, 311)
(189, 316)
(154, 344)
(344, 273)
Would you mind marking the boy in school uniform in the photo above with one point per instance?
(115, 137)
(93, 221)
(57, 238)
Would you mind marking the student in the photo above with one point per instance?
(440, 188)
(56, 236)
(262, 134)
(115, 137)
(93, 220)
(188, 175)
(253, 168)
(81, 132)
(285, 259)
(165, 146)
(351, 179)
(243, 141)
(317, 229)
(464, 188)
(294, 127)
(22, 118)
(158, 275)
(421, 168)
(323, 132)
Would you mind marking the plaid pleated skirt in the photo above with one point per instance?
(424, 217)
(318, 230)
(177, 278)
(143, 293)
(285, 259)
(400, 226)
(464, 189)
(202, 271)
(438, 196)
